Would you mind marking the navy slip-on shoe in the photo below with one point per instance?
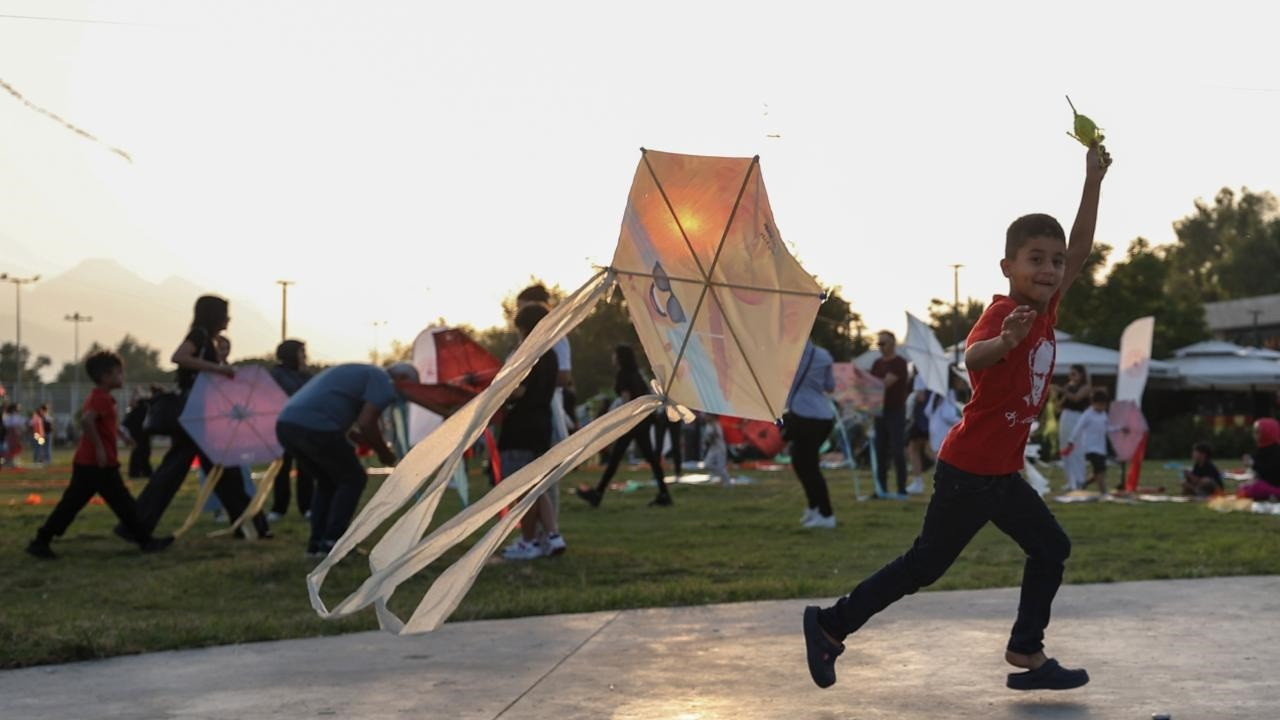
(1049, 676)
(821, 651)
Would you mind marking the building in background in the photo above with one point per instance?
(1253, 321)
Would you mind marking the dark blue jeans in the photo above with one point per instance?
(340, 478)
(891, 447)
(961, 504)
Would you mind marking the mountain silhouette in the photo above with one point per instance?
(120, 302)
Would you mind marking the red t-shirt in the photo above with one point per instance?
(107, 425)
(1007, 397)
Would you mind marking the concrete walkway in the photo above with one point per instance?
(1191, 648)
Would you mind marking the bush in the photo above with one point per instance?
(1172, 437)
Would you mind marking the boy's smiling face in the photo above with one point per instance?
(1035, 273)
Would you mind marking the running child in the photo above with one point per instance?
(1009, 355)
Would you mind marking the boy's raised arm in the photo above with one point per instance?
(1080, 244)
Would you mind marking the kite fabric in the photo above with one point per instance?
(712, 291)
(723, 312)
(925, 352)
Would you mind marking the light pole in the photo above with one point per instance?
(284, 308)
(955, 328)
(76, 318)
(17, 352)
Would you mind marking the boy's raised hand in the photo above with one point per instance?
(1016, 325)
(1097, 160)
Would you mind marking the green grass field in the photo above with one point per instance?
(718, 544)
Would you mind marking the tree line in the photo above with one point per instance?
(1225, 249)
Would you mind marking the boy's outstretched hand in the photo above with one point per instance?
(1016, 326)
(1097, 160)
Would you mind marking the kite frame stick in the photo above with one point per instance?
(202, 496)
(256, 504)
(714, 283)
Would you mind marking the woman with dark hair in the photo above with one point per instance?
(290, 373)
(1073, 400)
(807, 423)
(197, 353)
(629, 385)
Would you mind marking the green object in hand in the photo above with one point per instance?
(1087, 131)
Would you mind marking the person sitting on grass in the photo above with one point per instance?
(715, 453)
(1266, 463)
(1090, 434)
(1204, 478)
(94, 469)
(1009, 354)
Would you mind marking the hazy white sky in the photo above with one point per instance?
(404, 161)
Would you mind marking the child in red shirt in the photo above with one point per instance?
(95, 469)
(1009, 355)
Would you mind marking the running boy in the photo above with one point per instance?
(94, 469)
(1090, 433)
(1009, 355)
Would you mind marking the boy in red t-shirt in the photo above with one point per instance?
(94, 468)
(1009, 355)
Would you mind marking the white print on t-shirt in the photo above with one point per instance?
(1040, 361)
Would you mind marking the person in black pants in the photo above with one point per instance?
(95, 468)
(196, 354)
(629, 385)
(891, 426)
(135, 422)
(290, 374)
(675, 430)
(808, 423)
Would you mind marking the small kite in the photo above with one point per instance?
(722, 310)
(64, 123)
(233, 420)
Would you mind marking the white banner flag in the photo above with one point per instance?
(1135, 359)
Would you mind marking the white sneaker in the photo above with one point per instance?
(522, 550)
(820, 521)
(555, 545)
(916, 487)
(274, 516)
(809, 514)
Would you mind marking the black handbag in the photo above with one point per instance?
(163, 413)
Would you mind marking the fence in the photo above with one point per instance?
(64, 400)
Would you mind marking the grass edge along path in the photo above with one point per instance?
(718, 544)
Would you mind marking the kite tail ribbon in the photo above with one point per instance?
(261, 493)
(402, 551)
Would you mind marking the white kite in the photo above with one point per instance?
(723, 312)
(925, 352)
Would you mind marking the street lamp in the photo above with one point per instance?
(76, 318)
(284, 307)
(955, 328)
(17, 354)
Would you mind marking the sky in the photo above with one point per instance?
(407, 161)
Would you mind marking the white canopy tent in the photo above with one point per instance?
(1097, 360)
(1219, 365)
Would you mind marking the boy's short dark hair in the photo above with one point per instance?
(101, 363)
(1101, 395)
(1203, 448)
(529, 316)
(1031, 226)
(534, 293)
